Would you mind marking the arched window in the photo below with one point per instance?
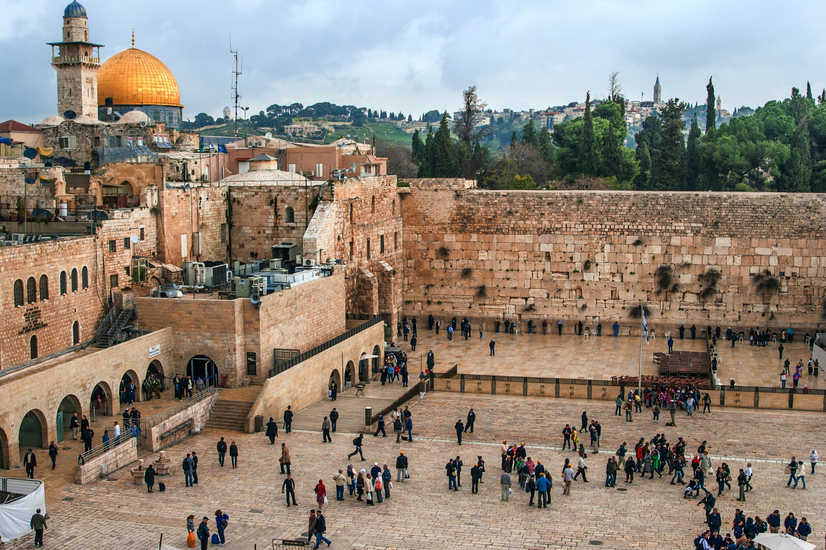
(18, 293)
(44, 288)
(74, 280)
(84, 277)
(63, 283)
(31, 291)
(373, 205)
(351, 212)
(289, 215)
(33, 347)
(75, 333)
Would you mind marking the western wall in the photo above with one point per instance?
(592, 256)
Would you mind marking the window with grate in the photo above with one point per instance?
(18, 293)
(113, 281)
(63, 283)
(113, 246)
(31, 291)
(85, 277)
(44, 288)
(74, 280)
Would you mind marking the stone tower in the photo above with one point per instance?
(658, 92)
(76, 61)
(719, 105)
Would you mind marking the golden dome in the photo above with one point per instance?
(134, 77)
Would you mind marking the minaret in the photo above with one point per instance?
(76, 61)
(658, 92)
(719, 105)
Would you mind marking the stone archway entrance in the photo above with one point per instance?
(33, 431)
(335, 376)
(4, 451)
(376, 361)
(349, 373)
(101, 400)
(156, 368)
(127, 395)
(204, 368)
(68, 407)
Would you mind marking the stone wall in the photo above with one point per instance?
(592, 256)
(307, 383)
(44, 388)
(440, 183)
(192, 224)
(113, 459)
(12, 187)
(226, 330)
(193, 417)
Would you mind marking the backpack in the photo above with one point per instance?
(215, 539)
(698, 543)
(161, 486)
(223, 523)
(355, 442)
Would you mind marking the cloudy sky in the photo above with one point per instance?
(412, 56)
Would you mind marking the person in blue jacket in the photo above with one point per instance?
(543, 486)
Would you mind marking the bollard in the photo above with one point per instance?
(368, 417)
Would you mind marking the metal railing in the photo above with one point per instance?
(323, 347)
(181, 406)
(99, 450)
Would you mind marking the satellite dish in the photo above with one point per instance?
(135, 239)
(268, 135)
(69, 115)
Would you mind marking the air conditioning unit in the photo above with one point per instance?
(299, 259)
(18, 237)
(309, 173)
(215, 275)
(309, 262)
(246, 287)
(194, 273)
(275, 264)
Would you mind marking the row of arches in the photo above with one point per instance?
(38, 290)
(367, 367)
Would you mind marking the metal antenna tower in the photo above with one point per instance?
(236, 97)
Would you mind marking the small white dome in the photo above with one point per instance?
(86, 119)
(134, 117)
(53, 120)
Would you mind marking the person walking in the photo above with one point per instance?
(742, 482)
(369, 488)
(285, 460)
(492, 348)
(630, 467)
(475, 476)
(221, 447)
(233, 454)
(74, 424)
(194, 468)
(505, 482)
(357, 442)
(380, 427)
(567, 477)
(187, 465)
(450, 468)
(203, 533)
(401, 467)
(38, 524)
(333, 419)
(288, 419)
(288, 489)
(311, 526)
(618, 409)
(629, 411)
(471, 420)
(460, 428)
(325, 430)
(53, 453)
(566, 435)
(340, 480)
(149, 478)
(397, 428)
(272, 430)
(792, 467)
(801, 474)
(581, 467)
(320, 529)
(221, 520)
(813, 460)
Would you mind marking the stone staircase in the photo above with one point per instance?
(231, 408)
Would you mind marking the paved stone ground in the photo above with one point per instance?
(422, 514)
(598, 358)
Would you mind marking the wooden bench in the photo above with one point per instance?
(289, 543)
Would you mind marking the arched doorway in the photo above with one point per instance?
(68, 407)
(155, 368)
(101, 400)
(376, 360)
(349, 372)
(4, 451)
(364, 368)
(128, 378)
(33, 431)
(204, 368)
(335, 376)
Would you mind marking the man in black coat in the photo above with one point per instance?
(272, 430)
(471, 420)
(222, 450)
(288, 419)
(333, 418)
(357, 443)
(459, 427)
(30, 461)
(149, 478)
(288, 487)
(475, 476)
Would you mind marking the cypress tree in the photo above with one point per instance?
(529, 134)
(644, 158)
(444, 161)
(426, 164)
(711, 110)
(799, 167)
(692, 156)
(546, 148)
(514, 139)
(668, 165)
(587, 161)
(418, 147)
(808, 90)
(612, 153)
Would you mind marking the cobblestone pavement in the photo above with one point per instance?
(421, 513)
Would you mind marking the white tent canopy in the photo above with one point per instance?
(16, 515)
(782, 541)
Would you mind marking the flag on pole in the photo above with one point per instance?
(644, 325)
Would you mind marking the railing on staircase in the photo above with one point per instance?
(182, 405)
(284, 365)
(114, 322)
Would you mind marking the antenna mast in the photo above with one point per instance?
(236, 73)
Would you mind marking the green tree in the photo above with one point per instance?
(523, 182)
(612, 153)
(644, 159)
(444, 160)
(418, 147)
(465, 127)
(545, 145)
(711, 112)
(529, 134)
(514, 139)
(668, 165)
(587, 160)
(426, 164)
(798, 173)
(692, 156)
